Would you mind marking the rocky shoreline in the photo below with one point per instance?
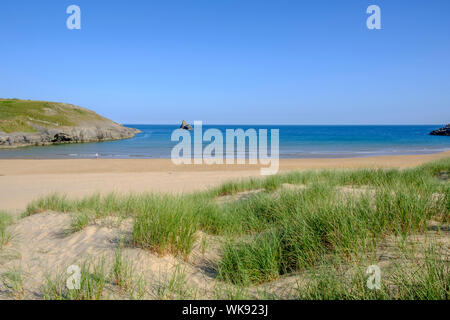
(46, 136)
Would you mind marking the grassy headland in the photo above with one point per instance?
(23, 115)
(27, 122)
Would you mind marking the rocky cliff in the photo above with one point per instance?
(34, 123)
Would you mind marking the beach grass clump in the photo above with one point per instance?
(97, 281)
(5, 221)
(53, 202)
(405, 211)
(174, 286)
(121, 271)
(167, 224)
(237, 217)
(79, 221)
(327, 282)
(91, 286)
(139, 289)
(257, 212)
(255, 262)
(314, 224)
(427, 280)
(233, 187)
(97, 205)
(409, 278)
(13, 281)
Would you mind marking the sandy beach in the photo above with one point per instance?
(21, 181)
(46, 243)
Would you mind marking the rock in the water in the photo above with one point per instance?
(445, 131)
(186, 126)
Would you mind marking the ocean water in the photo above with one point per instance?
(295, 142)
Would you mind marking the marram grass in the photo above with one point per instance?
(277, 231)
(5, 221)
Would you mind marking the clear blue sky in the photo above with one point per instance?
(233, 61)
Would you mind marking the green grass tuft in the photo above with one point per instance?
(5, 221)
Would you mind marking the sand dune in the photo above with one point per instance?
(55, 249)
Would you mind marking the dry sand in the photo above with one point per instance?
(21, 181)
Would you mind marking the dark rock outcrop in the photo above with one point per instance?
(445, 131)
(186, 126)
(62, 137)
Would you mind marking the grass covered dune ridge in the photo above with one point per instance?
(327, 224)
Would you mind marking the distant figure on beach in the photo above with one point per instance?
(96, 156)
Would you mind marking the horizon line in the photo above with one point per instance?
(290, 124)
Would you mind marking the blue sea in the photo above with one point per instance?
(295, 142)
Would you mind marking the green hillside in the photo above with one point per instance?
(23, 115)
